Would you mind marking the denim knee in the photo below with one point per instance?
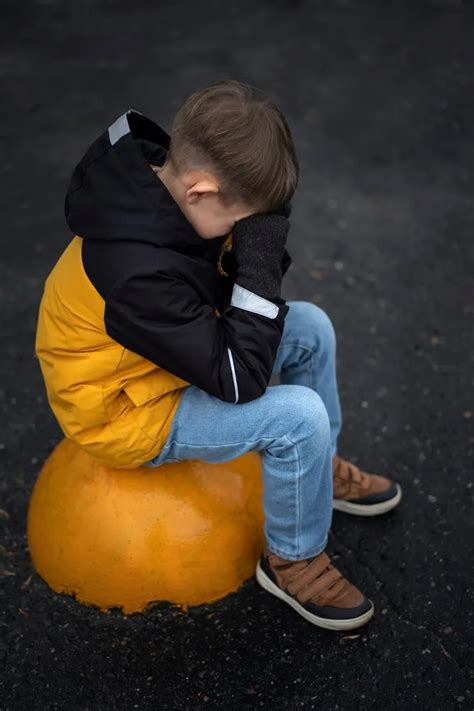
(317, 324)
(306, 412)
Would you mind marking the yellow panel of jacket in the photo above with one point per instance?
(114, 403)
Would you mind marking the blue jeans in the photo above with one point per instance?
(294, 425)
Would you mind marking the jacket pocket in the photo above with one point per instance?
(117, 405)
(152, 386)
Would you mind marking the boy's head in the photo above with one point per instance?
(231, 155)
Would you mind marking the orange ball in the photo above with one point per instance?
(188, 532)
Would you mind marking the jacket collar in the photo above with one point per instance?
(114, 194)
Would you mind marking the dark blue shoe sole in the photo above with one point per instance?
(340, 625)
(369, 507)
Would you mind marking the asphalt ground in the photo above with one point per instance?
(380, 100)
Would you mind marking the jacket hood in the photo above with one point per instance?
(115, 195)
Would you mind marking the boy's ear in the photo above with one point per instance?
(200, 185)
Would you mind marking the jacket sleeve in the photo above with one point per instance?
(160, 314)
(231, 270)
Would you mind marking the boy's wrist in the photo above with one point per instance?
(258, 245)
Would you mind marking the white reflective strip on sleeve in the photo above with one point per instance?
(119, 128)
(245, 299)
(234, 377)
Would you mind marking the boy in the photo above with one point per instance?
(162, 322)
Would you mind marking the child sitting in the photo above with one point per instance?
(162, 322)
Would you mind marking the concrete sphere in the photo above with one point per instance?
(188, 532)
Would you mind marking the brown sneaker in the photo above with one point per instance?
(315, 589)
(357, 492)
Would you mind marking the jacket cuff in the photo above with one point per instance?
(248, 300)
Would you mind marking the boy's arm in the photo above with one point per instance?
(286, 262)
(230, 269)
(159, 314)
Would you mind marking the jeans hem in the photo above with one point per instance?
(301, 556)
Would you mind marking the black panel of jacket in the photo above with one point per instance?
(159, 278)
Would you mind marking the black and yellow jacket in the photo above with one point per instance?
(139, 306)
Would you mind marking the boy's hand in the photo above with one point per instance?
(285, 210)
(258, 245)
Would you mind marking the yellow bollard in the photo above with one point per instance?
(188, 532)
